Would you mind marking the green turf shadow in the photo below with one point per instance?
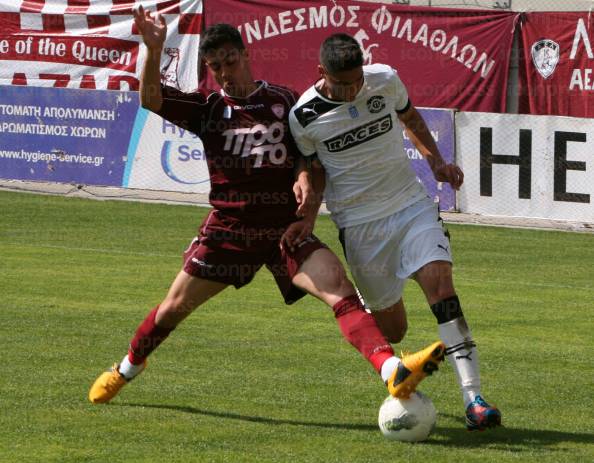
(253, 419)
(515, 439)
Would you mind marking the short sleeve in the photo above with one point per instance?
(303, 142)
(402, 102)
(189, 111)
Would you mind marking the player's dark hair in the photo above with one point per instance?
(217, 35)
(340, 52)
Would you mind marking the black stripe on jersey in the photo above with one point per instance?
(310, 111)
(406, 108)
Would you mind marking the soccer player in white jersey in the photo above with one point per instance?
(348, 125)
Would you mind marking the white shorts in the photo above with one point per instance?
(383, 253)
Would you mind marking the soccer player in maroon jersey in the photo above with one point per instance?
(251, 160)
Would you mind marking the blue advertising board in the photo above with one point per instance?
(65, 135)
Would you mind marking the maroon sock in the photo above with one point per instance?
(147, 338)
(360, 329)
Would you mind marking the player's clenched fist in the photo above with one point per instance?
(450, 173)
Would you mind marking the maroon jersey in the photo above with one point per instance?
(249, 150)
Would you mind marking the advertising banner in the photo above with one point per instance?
(441, 125)
(447, 58)
(556, 63)
(526, 166)
(163, 156)
(95, 138)
(94, 44)
(65, 135)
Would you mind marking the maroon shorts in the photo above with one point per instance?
(230, 252)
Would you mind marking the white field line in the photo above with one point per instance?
(96, 250)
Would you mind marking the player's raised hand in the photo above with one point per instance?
(451, 174)
(152, 28)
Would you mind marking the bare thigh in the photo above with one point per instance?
(322, 275)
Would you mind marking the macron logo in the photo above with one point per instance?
(201, 263)
(360, 134)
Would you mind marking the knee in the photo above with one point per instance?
(444, 292)
(441, 291)
(436, 280)
(395, 333)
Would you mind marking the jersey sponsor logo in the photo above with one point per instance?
(278, 110)
(376, 103)
(360, 134)
(248, 107)
(259, 141)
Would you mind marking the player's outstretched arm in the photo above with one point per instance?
(421, 137)
(153, 30)
(318, 176)
(309, 186)
(310, 183)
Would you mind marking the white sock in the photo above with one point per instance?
(128, 370)
(388, 368)
(462, 354)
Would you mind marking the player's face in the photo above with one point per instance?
(343, 85)
(230, 68)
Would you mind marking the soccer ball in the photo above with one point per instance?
(408, 420)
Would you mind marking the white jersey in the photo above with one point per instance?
(360, 145)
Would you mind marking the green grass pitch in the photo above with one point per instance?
(248, 379)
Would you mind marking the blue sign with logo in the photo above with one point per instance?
(175, 156)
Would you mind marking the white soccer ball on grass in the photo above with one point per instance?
(408, 420)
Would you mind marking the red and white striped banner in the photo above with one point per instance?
(93, 43)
